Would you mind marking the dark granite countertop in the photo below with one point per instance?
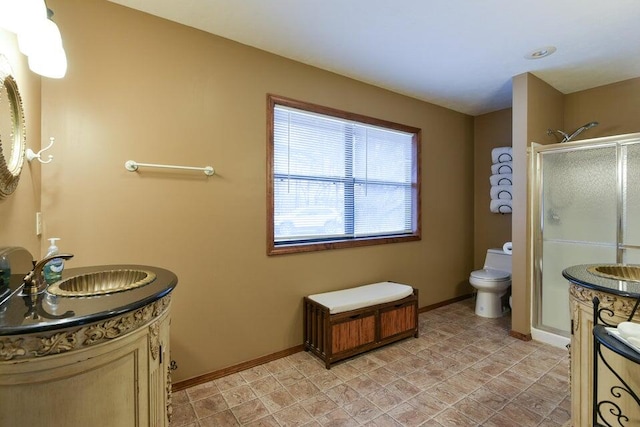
(22, 315)
(579, 275)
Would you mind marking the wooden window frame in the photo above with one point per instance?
(297, 247)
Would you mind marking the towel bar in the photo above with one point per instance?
(132, 166)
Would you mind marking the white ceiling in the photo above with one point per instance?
(460, 54)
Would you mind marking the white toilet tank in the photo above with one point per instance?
(497, 259)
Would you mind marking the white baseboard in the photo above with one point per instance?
(549, 338)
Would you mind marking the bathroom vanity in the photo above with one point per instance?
(617, 301)
(100, 360)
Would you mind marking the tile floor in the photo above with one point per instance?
(463, 371)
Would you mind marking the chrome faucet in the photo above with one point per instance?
(34, 281)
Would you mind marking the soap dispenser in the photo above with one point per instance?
(53, 269)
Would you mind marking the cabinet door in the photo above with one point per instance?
(159, 381)
(95, 387)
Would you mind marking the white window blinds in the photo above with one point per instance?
(337, 179)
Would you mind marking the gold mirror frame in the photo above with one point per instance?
(13, 136)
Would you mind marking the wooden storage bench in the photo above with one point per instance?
(341, 324)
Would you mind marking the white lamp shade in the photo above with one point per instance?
(18, 15)
(49, 63)
(43, 35)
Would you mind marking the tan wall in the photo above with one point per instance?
(18, 211)
(616, 107)
(490, 230)
(142, 88)
(536, 108)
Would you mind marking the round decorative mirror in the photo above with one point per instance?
(13, 138)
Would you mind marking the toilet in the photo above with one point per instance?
(492, 283)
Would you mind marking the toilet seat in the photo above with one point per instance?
(490, 275)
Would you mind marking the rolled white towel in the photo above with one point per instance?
(502, 206)
(501, 192)
(502, 154)
(500, 168)
(501, 179)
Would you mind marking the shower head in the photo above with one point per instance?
(580, 130)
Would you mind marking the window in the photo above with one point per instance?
(338, 179)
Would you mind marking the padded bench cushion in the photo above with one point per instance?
(362, 296)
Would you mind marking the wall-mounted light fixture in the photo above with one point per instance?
(38, 36)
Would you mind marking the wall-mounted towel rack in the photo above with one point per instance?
(132, 166)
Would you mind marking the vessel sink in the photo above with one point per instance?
(629, 273)
(102, 282)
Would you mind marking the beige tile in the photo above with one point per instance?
(503, 388)
(408, 416)
(389, 353)
(267, 421)
(202, 390)
(424, 378)
(473, 410)
(402, 367)
(302, 389)
(384, 399)
(499, 420)
(491, 367)
(249, 411)
(289, 376)
(383, 421)
(427, 404)
(238, 395)
(278, 365)
(183, 415)
(362, 410)
(293, 416)
(489, 399)
(454, 418)
(560, 415)
(265, 385)
(382, 376)
(528, 370)
(255, 373)
(549, 423)
(403, 389)
(179, 397)
(554, 381)
(325, 380)
(445, 393)
(344, 371)
(462, 370)
(318, 405)
(338, 418)
(277, 400)
(311, 367)
(225, 418)
(365, 363)
(229, 382)
(342, 394)
(210, 405)
(521, 415)
(534, 403)
(363, 384)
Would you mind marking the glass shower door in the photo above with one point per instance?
(578, 224)
(630, 231)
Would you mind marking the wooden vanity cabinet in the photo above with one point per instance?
(96, 375)
(581, 302)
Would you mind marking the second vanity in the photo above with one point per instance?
(99, 360)
(617, 301)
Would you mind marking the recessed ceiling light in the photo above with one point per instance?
(540, 53)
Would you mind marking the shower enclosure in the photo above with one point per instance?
(585, 209)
